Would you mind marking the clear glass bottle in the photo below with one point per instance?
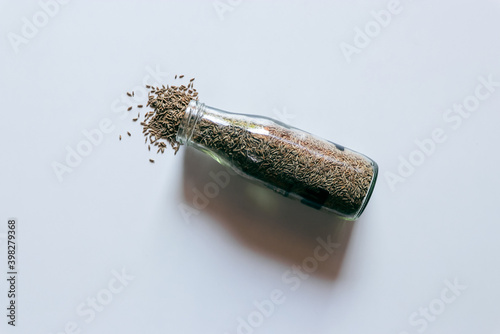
(290, 161)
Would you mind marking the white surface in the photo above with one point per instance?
(281, 59)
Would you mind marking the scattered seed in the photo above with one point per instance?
(139, 106)
(152, 161)
(129, 108)
(129, 134)
(181, 76)
(129, 94)
(161, 124)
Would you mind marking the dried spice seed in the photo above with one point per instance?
(134, 119)
(129, 108)
(139, 106)
(129, 134)
(129, 94)
(162, 123)
(152, 161)
(181, 76)
(120, 137)
(289, 160)
(321, 173)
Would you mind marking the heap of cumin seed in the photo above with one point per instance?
(169, 104)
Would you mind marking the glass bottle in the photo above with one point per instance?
(290, 161)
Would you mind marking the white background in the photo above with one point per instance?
(202, 271)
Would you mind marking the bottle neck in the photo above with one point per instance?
(188, 123)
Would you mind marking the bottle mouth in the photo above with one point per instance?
(188, 122)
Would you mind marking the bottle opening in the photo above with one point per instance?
(188, 122)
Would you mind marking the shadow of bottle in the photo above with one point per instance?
(264, 220)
